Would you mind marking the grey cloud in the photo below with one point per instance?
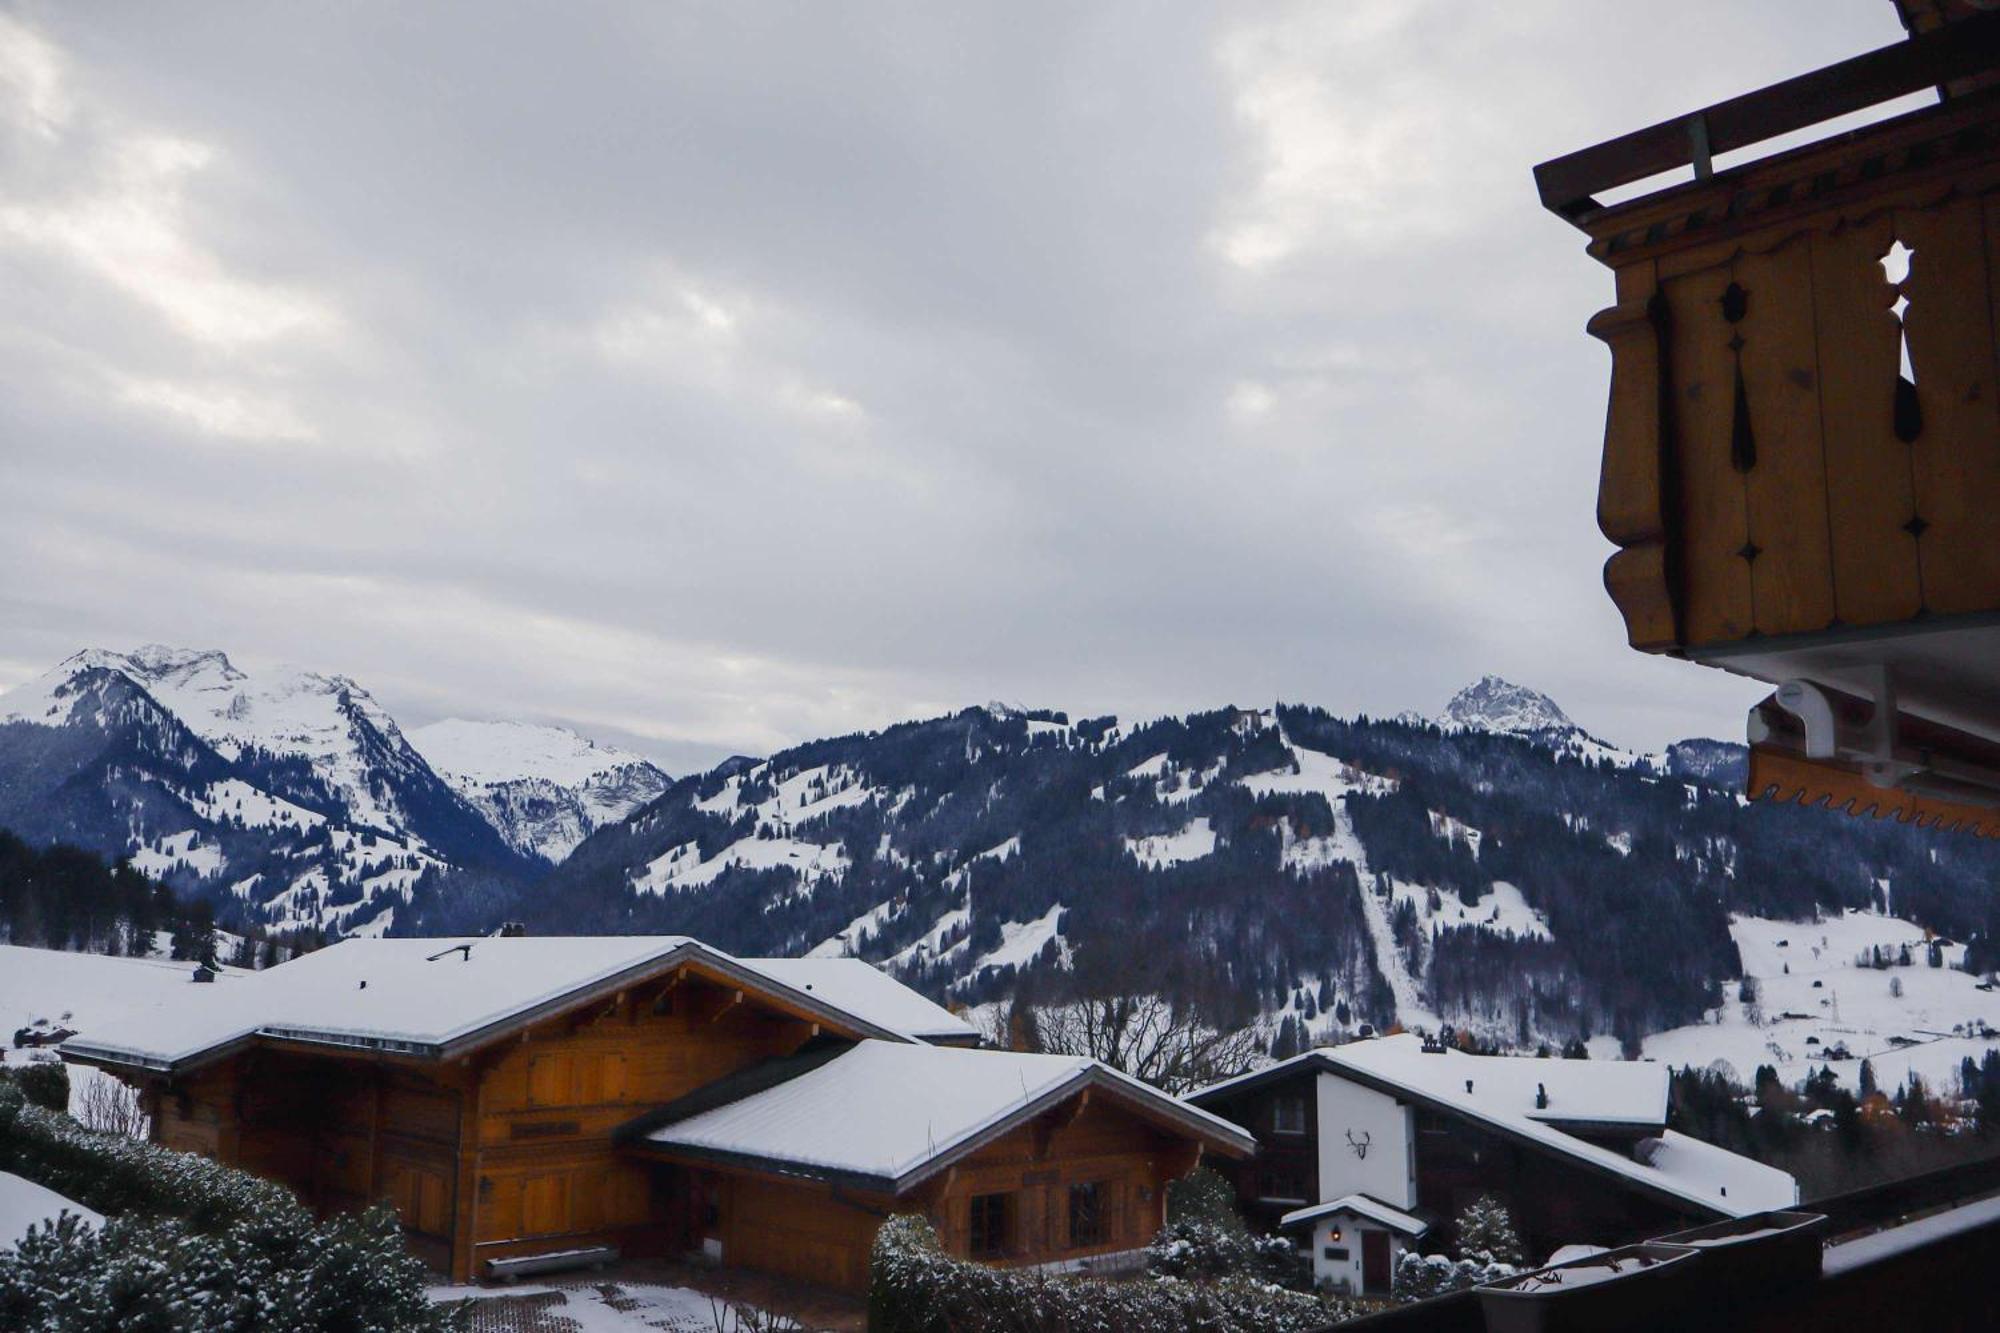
(716, 377)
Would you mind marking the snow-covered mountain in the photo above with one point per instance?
(288, 796)
(544, 788)
(1496, 705)
(1277, 864)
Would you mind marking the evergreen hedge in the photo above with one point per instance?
(191, 1246)
(116, 1175)
(915, 1287)
(45, 1083)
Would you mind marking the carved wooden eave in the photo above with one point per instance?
(1801, 466)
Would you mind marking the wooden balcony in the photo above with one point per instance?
(1802, 451)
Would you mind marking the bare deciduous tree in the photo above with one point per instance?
(1145, 1036)
(108, 1106)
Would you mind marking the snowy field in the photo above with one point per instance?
(52, 989)
(25, 1205)
(606, 1304)
(1814, 996)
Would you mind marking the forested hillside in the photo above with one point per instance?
(1281, 865)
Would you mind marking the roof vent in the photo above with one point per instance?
(1468, 1087)
(363, 984)
(1541, 1097)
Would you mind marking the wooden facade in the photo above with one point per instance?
(1801, 466)
(505, 1151)
(523, 1145)
(1083, 1180)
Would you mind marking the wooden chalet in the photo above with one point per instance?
(1801, 460)
(517, 1098)
(1404, 1134)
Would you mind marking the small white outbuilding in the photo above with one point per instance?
(1355, 1242)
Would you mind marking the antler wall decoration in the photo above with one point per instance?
(1360, 1145)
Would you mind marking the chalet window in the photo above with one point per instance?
(989, 1226)
(1086, 1215)
(1288, 1114)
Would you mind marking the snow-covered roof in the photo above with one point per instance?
(890, 1115)
(1501, 1091)
(24, 1204)
(1598, 1092)
(422, 996)
(860, 988)
(1359, 1205)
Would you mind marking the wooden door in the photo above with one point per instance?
(1374, 1261)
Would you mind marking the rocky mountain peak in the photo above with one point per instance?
(1492, 703)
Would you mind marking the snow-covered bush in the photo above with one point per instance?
(117, 1175)
(1418, 1277)
(348, 1275)
(193, 1246)
(1485, 1231)
(1488, 1250)
(1205, 1237)
(1210, 1249)
(915, 1287)
(44, 1083)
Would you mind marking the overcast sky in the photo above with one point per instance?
(714, 377)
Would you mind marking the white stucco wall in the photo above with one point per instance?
(1346, 1274)
(1388, 1169)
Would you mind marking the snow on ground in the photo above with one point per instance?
(605, 1305)
(682, 868)
(1827, 999)
(937, 942)
(1344, 845)
(1501, 909)
(1317, 772)
(233, 800)
(25, 1205)
(162, 855)
(1456, 830)
(848, 939)
(486, 752)
(54, 989)
(1169, 849)
(999, 853)
(1022, 941)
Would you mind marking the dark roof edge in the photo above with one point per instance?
(1318, 1060)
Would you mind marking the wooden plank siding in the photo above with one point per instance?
(504, 1152)
(818, 1232)
(1832, 521)
(543, 1164)
(509, 1149)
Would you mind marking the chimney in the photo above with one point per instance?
(1468, 1087)
(513, 930)
(1541, 1097)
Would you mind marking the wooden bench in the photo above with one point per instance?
(513, 1269)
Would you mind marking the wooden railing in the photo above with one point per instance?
(1569, 183)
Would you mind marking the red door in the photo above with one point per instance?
(1374, 1261)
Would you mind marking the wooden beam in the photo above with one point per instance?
(1934, 58)
(735, 998)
